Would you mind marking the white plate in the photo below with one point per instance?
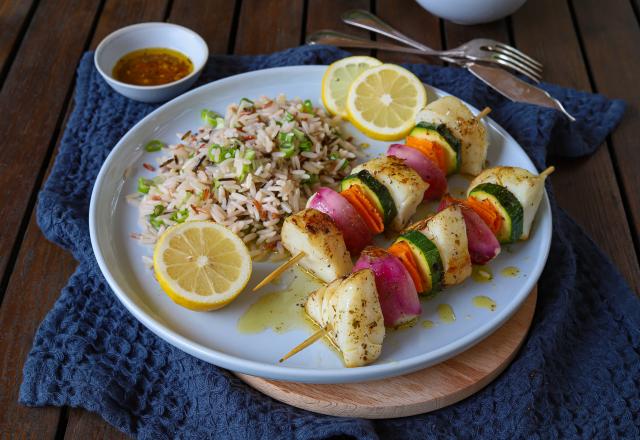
(213, 336)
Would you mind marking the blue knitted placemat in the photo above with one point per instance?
(577, 376)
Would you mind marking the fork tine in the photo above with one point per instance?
(511, 55)
(519, 53)
(518, 68)
(517, 63)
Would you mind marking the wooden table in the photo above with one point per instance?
(583, 44)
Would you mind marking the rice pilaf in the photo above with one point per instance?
(246, 171)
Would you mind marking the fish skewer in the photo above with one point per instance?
(386, 191)
(348, 310)
(279, 270)
(307, 342)
(447, 232)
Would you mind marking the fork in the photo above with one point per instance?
(479, 49)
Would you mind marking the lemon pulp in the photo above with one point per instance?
(201, 265)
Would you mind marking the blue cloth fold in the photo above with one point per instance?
(577, 375)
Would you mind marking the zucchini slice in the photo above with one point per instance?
(507, 205)
(376, 192)
(427, 258)
(442, 136)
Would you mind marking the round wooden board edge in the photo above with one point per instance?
(341, 399)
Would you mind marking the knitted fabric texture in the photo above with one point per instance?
(577, 375)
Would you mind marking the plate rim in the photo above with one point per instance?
(277, 371)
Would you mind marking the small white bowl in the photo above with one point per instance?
(144, 35)
(471, 11)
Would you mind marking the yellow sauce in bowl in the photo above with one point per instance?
(152, 66)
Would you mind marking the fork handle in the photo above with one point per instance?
(366, 20)
(333, 38)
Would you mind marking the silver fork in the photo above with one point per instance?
(479, 49)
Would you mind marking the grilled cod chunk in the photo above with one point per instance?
(447, 230)
(472, 134)
(350, 306)
(404, 184)
(314, 233)
(525, 186)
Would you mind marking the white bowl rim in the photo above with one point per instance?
(106, 40)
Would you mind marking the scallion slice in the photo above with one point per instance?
(144, 185)
(153, 146)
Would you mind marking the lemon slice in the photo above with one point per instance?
(384, 100)
(201, 265)
(338, 78)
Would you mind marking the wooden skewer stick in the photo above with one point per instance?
(307, 342)
(485, 111)
(547, 172)
(276, 273)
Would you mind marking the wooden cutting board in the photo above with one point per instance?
(423, 391)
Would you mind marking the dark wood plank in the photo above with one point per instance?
(88, 425)
(120, 13)
(416, 23)
(268, 26)
(15, 14)
(586, 188)
(211, 19)
(457, 34)
(42, 269)
(31, 102)
(325, 14)
(83, 424)
(612, 44)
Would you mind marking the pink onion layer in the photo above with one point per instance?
(398, 296)
(483, 244)
(425, 167)
(354, 229)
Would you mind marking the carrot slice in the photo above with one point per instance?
(365, 208)
(486, 211)
(431, 150)
(403, 252)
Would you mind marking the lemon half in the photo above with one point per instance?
(201, 265)
(384, 100)
(338, 78)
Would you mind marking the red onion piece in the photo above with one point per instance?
(355, 231)
(398, 296)
(425, 167)
(483, 244)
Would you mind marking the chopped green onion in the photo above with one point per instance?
(211, 118)
(225, 153)
(249, 103)
(289, 150)
(285, 138)
(216, 184)
(250, 154)
(153, 146)
(288, 117)
(334, 156)
(306, 144)
(158, 210)
(156, 222)
(180, 216)
(144, 185)
(312, 180)
(153, 218)
(210, 154)
(307, 106)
